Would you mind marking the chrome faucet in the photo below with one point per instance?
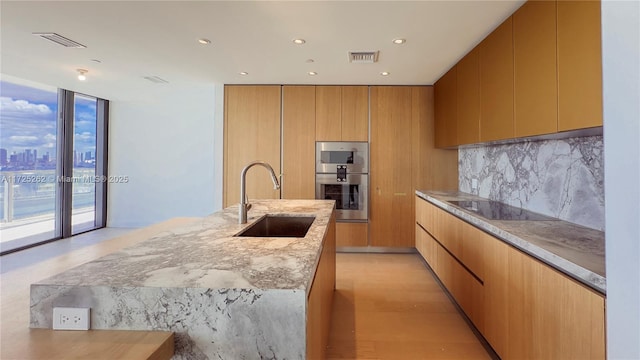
(244, 201)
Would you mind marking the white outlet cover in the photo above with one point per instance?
(67, 318)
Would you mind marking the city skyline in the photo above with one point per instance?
(28, 120)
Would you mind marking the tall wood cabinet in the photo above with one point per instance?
(342, 113)
(298, 148)
(251, 113)
(403, 159)
(496, 83)
(390, 165)
(535, 92)
(579, 65)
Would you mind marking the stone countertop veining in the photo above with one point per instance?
(204, 254)
(573, 249)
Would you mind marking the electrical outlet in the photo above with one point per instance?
(66, 318)
(474, 184)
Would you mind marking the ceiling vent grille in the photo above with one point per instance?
(156, 79)
(363, 57)
(61, 40)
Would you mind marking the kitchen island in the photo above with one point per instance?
(224, 297)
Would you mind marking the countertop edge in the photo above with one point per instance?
(585, 276)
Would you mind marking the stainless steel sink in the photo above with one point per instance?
(279, 226)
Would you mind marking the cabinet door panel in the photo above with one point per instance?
(352, 234)
(496, 84)
(446, 111)
(328, 113)
(469, 98)
(252, 132)
(579, 65)
(391, 195)
(355, 113)
(536, 93)
(298, 175)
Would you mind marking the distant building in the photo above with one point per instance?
(3, 157)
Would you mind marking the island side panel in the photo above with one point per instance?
(320, 299)
(208, 323)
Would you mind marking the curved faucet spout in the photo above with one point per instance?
(244, 203)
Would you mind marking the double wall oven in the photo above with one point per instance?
(342, 174)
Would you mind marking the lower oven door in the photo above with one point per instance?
(351, 196)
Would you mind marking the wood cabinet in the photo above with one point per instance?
(298, 149)
(523, 307)
(468, 98)
(539, 312)
(320, 297)
(540, 73)
(251, 113)
(446, 110)
(342, 113)
(579, 64)
(496, 83)
(440, 237)
(349, 234)
(391, 192)
(536, 92)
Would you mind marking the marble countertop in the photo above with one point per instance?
(573, 249)
(204, 254)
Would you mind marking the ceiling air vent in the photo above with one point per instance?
(61, 40)
(156, 79)
(363, 57)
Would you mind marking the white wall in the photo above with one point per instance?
(164, 143)
(621, 78)
(218, 151)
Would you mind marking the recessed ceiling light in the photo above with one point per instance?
(309, 61)
(399, 41)
(312, 73)
(81, 73)
(385, 73)
(243, 73)
(299, 41)
(96, 61)
(204, 41)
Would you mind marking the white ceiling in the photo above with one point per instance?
(133, 39)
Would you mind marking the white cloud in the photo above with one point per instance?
(10, 106)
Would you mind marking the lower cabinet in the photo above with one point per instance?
(350, 234)
(523, 307)
(320, 298)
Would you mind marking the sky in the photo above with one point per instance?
(28, 119)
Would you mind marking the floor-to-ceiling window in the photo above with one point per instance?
(52, 163)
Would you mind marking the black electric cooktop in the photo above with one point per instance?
(494, 210)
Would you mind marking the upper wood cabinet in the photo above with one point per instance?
(579, 65)
(342, 113)
(252, 114)
(446, 110)
(496, 83)
(298, 148)
(468, 98)
(536, 93)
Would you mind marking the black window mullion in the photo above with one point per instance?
(102, 141)
(65, 161)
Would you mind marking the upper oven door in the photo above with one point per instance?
(355, 155)
(351, 196)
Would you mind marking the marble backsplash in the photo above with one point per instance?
(561, 178)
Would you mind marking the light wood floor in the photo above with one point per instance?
(388, 306)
